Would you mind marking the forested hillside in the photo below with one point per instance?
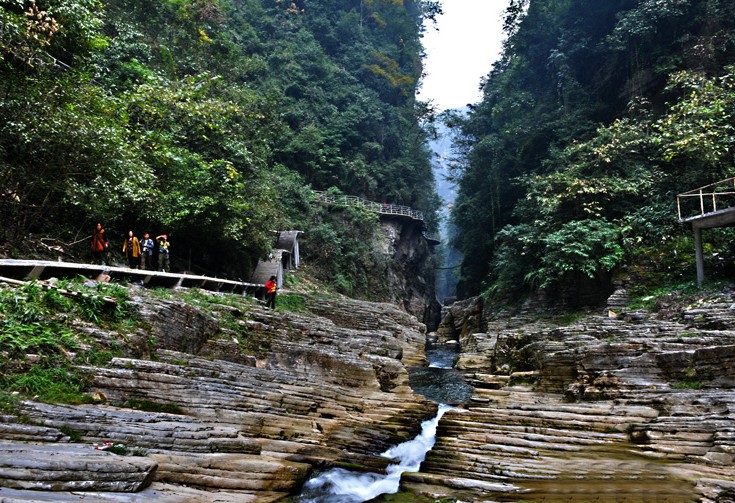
(596, 116)
(210, 120)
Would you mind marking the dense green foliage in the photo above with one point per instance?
(40, 323)
(596, 116)
(206, 119)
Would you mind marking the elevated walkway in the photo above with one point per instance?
(45, 269)
(707, 207)
(384, 209)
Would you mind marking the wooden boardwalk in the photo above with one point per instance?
(45, 269)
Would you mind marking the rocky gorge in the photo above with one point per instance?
(629, 405)
(635, 404)
(213, 420)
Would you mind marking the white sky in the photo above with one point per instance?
(462, 51)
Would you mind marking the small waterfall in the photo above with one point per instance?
(342, 486)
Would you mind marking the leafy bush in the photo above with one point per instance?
(35, 321)
(343, 250)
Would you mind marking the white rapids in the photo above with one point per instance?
(343, 486)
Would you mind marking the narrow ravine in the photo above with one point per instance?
(343, 486)
(437, 382)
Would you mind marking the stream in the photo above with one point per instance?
(437, 382)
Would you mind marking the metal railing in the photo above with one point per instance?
(705, 200)
(358, 202)
(431, 236)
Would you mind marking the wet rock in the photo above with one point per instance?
(599, 407)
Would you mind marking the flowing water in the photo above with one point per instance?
(343, 486)
(438, 382)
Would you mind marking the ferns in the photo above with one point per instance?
(38, 343)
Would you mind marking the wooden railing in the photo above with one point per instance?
(358, 202)
(705, 200)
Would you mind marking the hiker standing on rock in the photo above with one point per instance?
(99, 245)
(271, 290)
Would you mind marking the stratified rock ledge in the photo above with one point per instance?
(331, 389)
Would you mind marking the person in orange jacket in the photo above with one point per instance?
(271, 289)
(99, 245)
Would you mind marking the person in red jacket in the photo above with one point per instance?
(270, 292)
(99, 245)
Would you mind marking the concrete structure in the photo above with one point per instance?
(705, 208)
(273, 266)
(288, 241)
(45, 269)
(284, 258)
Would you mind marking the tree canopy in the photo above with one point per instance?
(595, 117)
(206, 119)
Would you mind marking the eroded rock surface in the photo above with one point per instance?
(622, 407)
(321, 390)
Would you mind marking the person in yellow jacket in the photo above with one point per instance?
(131, 250)
(164, 263)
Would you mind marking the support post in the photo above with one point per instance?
(699, 254)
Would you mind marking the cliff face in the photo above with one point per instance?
(242, 411)
(410, 270)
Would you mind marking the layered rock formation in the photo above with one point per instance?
(626, 406)
(229, 423)
(620, 407)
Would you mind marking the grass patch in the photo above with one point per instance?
(9, 403)
(528, 380)
(51, 384)
(688, 385)
(162, 293)
(291, 302)
(649, 298)
(566, 319)
(38, 321)
(118, 449)
(74, 435)
(149, 406)
(212, 299)
(100, 358)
